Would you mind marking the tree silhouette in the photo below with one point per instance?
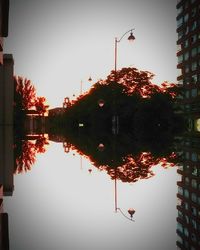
(131, 95)
(25, 93)
(40, 105)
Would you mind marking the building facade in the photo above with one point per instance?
(4, 10)
(188, 45)
(188, 54)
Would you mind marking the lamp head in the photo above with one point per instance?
(131, 37)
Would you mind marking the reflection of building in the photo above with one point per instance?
(188, 220)
(188, 26)
(4, 236)
(6, 159)
(4, 7)
(34, 122)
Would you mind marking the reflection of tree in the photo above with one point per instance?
(123, 157)
(136, 167)
(25, 153)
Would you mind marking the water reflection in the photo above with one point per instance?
(26, 150)
(125, 165)
(188, 220)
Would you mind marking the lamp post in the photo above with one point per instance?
(130, 38)
(115, 118)
(81, 84)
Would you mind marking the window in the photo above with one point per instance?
(195, 171)
(194, 66)
(186, 219)
(193, 12)
(180, 190)
(194, 157)
(194, 224)
(193, 237)
(186, 206)
(186, 30)
(194, 211)
(179, 47)
(180, 59)
(179, 239)
(193, 38)
(180, 34)
(186, 193)
(197, 124)
(187, 68)
(194, 79)
(194, 183)
(187, 80)
(194, 93)
(180, 214)
(186, 43)
(186, 232)
(194, 25)
(194, 52)
(187, 155)
(179, 10)
(186, 17)
(180, 82)
(180, 227)
(194, 197)
(186, 56)
(187, 180)
(180, 22)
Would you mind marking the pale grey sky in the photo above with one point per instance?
(58, 43)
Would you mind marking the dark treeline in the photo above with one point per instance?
(142, 108)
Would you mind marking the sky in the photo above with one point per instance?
(57, 44)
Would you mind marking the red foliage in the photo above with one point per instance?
(140, 82)
(27, 158)
(26, 90)
(40, 105)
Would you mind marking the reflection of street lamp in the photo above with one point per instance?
(101, 103)
(131, 211)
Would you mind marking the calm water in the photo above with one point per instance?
(60, 205)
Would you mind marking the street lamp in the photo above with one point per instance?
(115, 118)
(130, 38)
(81, 84)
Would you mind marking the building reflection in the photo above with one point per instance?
(6, 125)
(188, 220)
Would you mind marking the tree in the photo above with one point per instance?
(40, 105)
(25, 93)
(130, 94)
